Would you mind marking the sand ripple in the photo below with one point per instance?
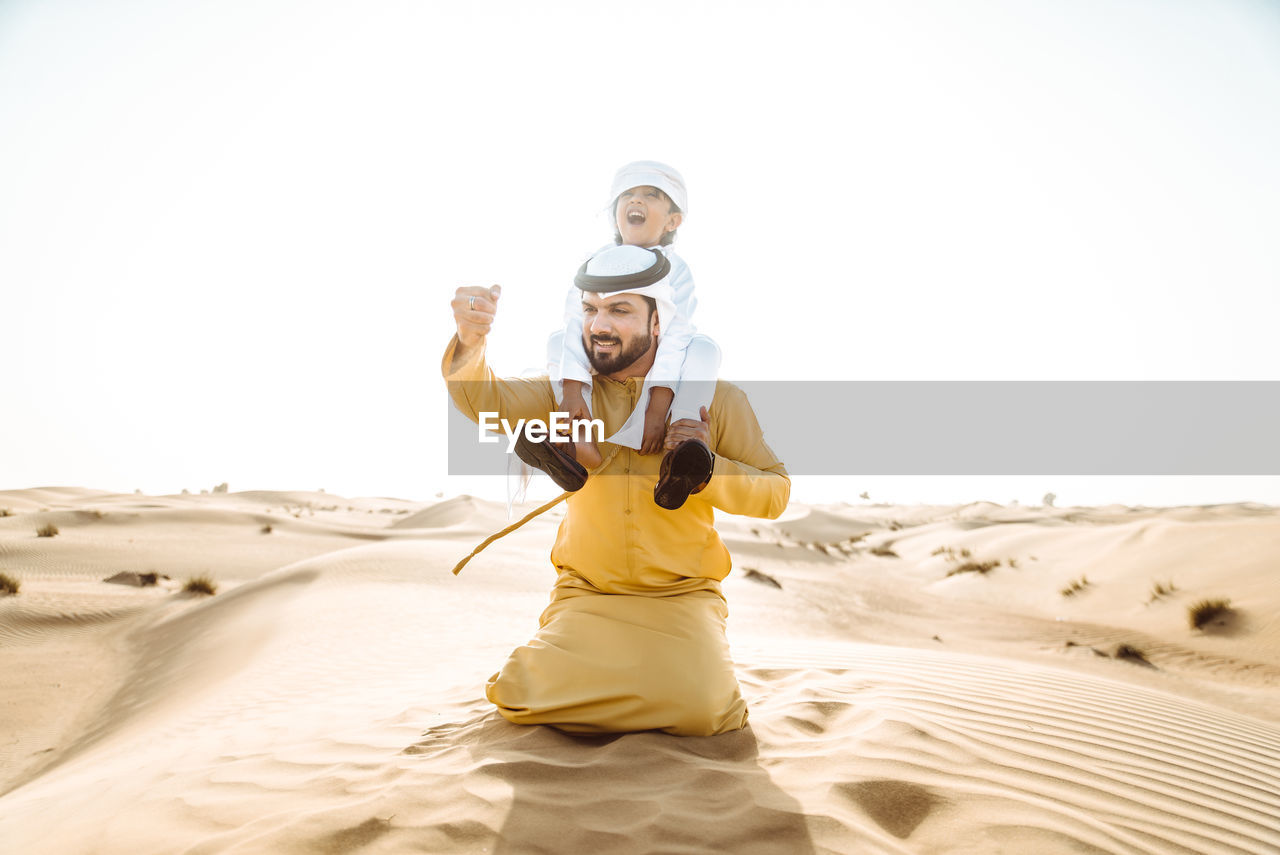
(1099, 763)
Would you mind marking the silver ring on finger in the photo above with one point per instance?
(471, 303)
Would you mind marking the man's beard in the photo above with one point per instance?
(621, 358)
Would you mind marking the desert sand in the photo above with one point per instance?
(329, 696)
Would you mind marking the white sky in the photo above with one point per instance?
(229, 230)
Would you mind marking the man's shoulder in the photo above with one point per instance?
(728, 394)
(728, 387)
(734, 407)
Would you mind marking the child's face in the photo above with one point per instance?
(643, 215)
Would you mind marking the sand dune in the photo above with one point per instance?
(460, 512)
(329, 697)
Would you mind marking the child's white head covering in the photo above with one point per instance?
(654, 174)
(629, 269)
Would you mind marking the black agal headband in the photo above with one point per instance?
(625, 281)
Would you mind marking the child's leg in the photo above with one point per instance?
(555, 345)
(655, 418)
(586, 453)
(687, 468)
(697, 378)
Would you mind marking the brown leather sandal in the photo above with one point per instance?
(554, 458)
(686, 469)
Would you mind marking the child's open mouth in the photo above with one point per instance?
(635, 217)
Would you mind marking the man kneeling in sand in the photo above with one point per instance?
(634, 637)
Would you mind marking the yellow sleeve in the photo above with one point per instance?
(748, 478)
(474, 389)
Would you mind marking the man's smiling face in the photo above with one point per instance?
(643, 215)
(618, 331)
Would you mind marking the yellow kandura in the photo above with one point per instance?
(634, 638)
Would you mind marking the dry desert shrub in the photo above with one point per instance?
(1129, 653)
(982, 568)
(1075, 587)
(5, 512)
(201, 584)
(1205, 612)
(266, 529)
(47, 530)
(1159, 590)
(883, 551)
(763, 578)
(8, 585)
